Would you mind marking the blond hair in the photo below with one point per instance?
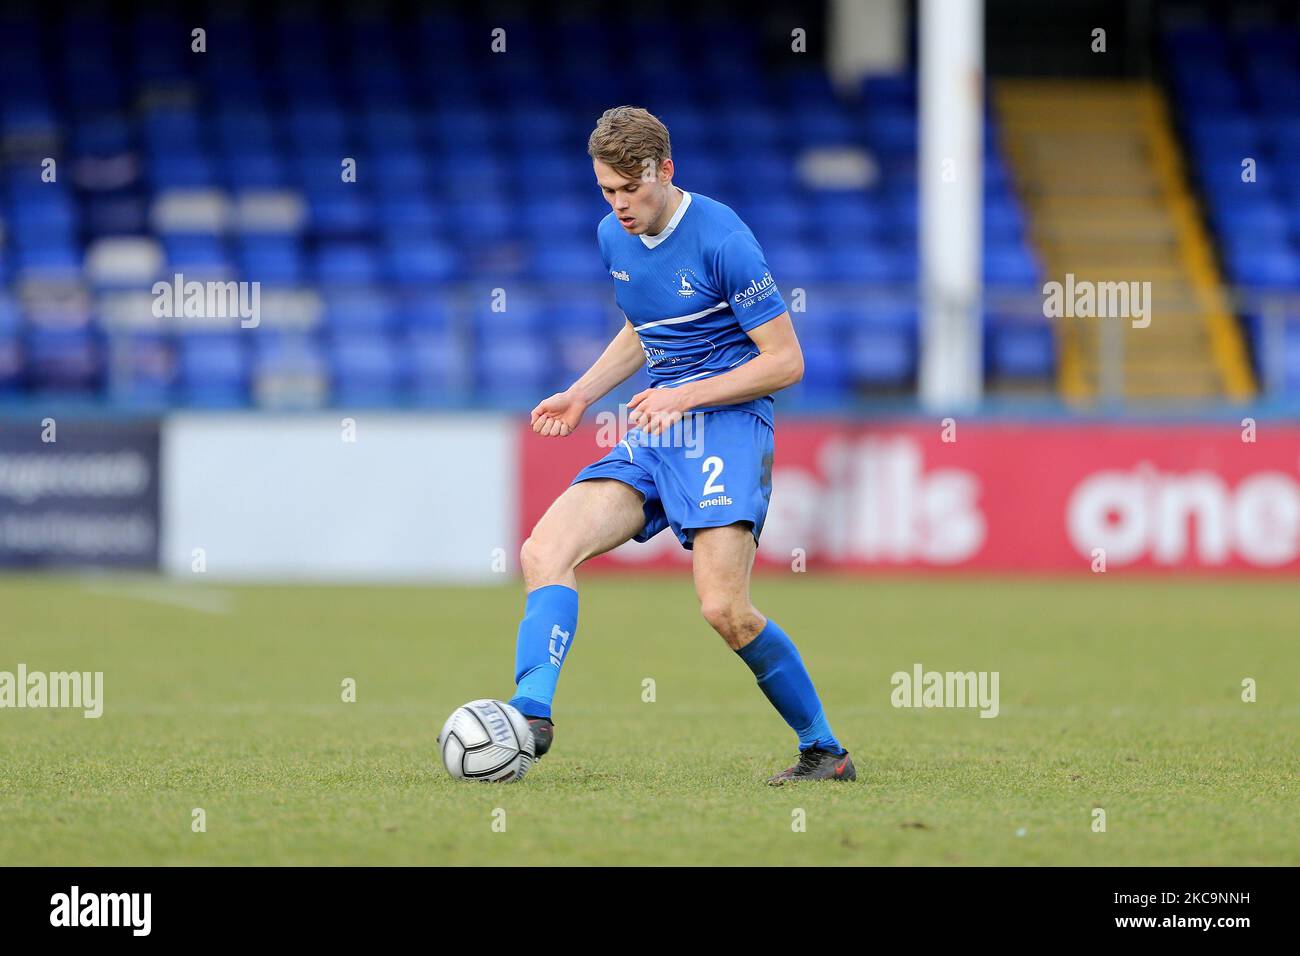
(630, 140)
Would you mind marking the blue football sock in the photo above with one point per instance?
(781, 675)
(545, 635)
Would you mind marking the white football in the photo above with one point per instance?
(486, 740)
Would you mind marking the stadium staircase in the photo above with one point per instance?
(1098, 167)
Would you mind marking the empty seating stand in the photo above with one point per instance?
(420, 214)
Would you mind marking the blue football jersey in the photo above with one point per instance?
(692, 292)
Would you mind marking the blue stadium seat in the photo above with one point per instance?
(288, 371)
(398, 168)
(350, 310)
(236, 129)
(560, 261)
(196, 253)
(867, 261)
(141, 369)
(1021, 350)
(116, 214)
(11, 351)
(439, 367)
(415, 261)
(102, 136)
(341, 212)
(1265, 267)
(559, 215)
(46, 260)
(353, 263)
(272, 259)
(882, 357)
(422, 310)
(172, 168)
(794, 263)
(249, 168)
(514, 369)
(368, 370)
(1010, 264)
(212, 371)
(402, 214)
(63, 361)
(481, 218)
(826, 370)
(770, 218)
(509, 316)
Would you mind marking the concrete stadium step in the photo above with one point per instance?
(1098, 168)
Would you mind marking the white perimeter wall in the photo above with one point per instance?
(275, 498)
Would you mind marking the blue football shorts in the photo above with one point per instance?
(713, 469)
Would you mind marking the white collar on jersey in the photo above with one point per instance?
(652, 241)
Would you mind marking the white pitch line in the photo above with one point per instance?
(203, 600)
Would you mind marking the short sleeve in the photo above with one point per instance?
(746, 281)
(600, 242)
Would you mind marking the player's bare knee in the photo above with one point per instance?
(734, 621)
(542, 561)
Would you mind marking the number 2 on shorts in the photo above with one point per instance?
(713, 464)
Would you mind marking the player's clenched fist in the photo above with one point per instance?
(558, 415)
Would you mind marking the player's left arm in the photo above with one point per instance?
(743, 279)
(778, 365)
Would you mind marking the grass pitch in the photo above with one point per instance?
(1118, 694)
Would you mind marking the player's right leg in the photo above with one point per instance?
(590, 518)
